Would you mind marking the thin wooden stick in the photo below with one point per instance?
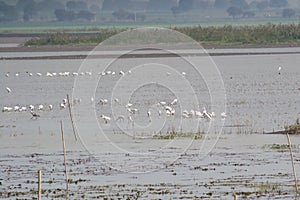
(65, 160)
(293, 163)
(40, 185)
(71, 116)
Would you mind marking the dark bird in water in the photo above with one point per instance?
(34, 115)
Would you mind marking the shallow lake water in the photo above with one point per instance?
(120, 158)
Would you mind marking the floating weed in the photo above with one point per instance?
(279, 146)
(174, 135)
(294, 127)
(267, 187)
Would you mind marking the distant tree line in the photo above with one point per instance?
(71, 10)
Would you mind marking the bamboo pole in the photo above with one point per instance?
(40, 185)
(65, 160)
(293, 163)
(71, 116)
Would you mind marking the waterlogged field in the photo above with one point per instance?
(125, 153)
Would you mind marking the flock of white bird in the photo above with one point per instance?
(35, 108)
(165, 108)
(67, 73)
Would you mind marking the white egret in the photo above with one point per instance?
(117, 100)
(162, 103)
(16, 108)
(198, 114)
(168, 108)
(120, 118)
(121, 73)
(31, 107)
(34, 115)
(103, 101)
(159, 112)
(7, 109)
(105, 118)
(130, 120)
(174, 102)
(279, 70)
(129, 105)
(40, 107)
(149, 115)
(205, 114)
(8, 90)
(223, 115)
(184, 115)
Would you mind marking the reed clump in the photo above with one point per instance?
(294, 128)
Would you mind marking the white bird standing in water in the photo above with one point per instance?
(149, 115)
(174, 102)
(8, 90)
(40, 107)
(205, 114)
(279, 70)
(105, 118)
(34, 115)
(223, 115)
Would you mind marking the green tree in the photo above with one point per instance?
(21, 4)
(186, 5)
(239, 3)
(175, 11)
(160, 4)
(30, 10)
(49, 5)
(116, 4)
(86, 15)
(262, 5)
(234, 11)
(76, 5)
(201, 4)
(278, 3)
(221, 4)
(123, 15)
(8, 13)
(288, 13)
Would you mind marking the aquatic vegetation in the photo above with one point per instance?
(294, 128)
(267, 187)
(173, 135)
(279, 146)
